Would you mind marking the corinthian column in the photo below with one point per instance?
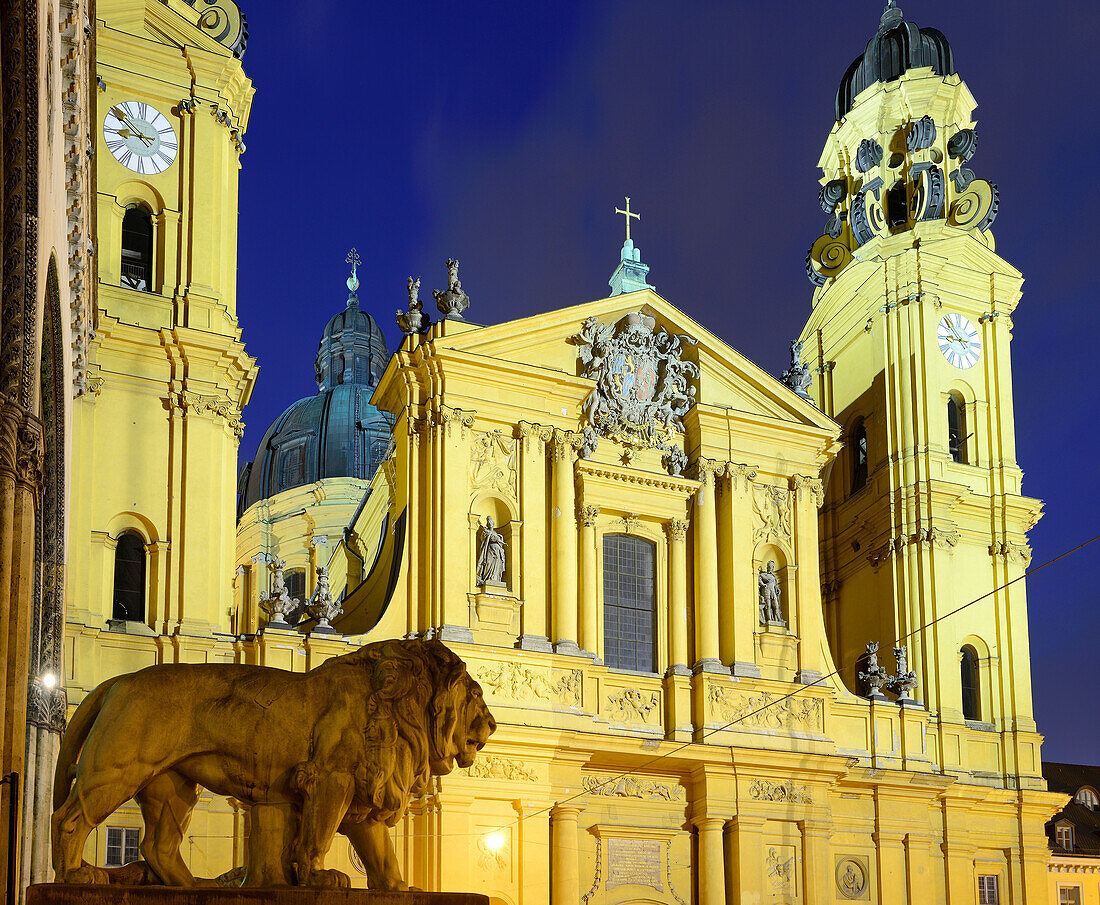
(706, 572)
(590, 616)
(677, 598)
(564, 545)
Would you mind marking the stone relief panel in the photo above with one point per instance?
(772, 506)
(632, 787)
(852, 877)
(524, 684)
(631, 705)
(784, 791)
(490, 767)
(781, 870)
(493, 463)
(765, 710)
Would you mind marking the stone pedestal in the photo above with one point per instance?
(65, 894)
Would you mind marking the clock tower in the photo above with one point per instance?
(157, 428)
(909, 341)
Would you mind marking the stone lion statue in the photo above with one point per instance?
(342, 747)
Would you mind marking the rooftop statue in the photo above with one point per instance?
(343, 747)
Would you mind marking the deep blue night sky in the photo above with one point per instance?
(505, 134)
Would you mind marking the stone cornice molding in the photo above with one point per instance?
(214, 406)
(682, 486)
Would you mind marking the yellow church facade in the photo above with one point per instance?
(663, 565)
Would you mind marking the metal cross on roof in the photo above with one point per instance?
(628, 213)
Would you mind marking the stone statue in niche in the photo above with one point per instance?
(770, 611)
(491, 556)
(293, 748)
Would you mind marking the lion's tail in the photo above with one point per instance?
(79, 727)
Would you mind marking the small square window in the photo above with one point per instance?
(1069, 895)
(122, 845)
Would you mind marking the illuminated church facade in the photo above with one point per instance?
(663, 565)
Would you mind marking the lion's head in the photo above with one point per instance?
(425, 713)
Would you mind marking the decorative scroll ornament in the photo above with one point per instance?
(976, 207)
(922, 134)
(868, 155)
(642, 389)
(321, 606)
(224, 22)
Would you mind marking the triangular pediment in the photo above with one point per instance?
(727, 379)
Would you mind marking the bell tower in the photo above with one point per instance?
(909, 339)
(157, 428)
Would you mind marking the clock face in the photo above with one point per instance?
(140, 137)
(959, 341)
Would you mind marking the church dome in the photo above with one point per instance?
(337, 432)
(897, 47)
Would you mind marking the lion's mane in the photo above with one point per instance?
(417, 694)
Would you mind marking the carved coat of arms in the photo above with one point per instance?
(642, 384)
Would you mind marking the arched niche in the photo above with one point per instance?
(506, 523)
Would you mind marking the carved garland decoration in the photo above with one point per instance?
(642, 385)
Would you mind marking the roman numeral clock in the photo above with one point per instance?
(959, 341)
(140, 137)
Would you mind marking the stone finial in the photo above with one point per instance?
(905, 680)
(453, 300)
(798, 377)
(278, 604)
(321, 606)
(874, 677)
(413, 321)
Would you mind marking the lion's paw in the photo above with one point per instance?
(87, 874)
(329, 879)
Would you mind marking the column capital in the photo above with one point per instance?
(709, 823)
(676, 529)
(587, 516)
(446, 418)
(564, 444)
(566, 810)
(529, 433)
(801, 483)
(21, 443)
(705, 470)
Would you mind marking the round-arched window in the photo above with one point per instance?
(137, 249)
(971, 700)
(129, 589)
(1088, 798)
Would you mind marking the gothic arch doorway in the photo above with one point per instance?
(46, 702)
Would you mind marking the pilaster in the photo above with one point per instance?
(705, 522)
(532, 440)
(564, 542)
(590, 613)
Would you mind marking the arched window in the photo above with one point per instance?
(1088, 798)
(129, 594)
(971, 701)
(956, 427)
(296, 587)
(859, 456)
(137, 249)
(629, 603)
